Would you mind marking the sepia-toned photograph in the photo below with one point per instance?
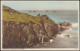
(40, 24)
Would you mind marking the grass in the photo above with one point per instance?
(27, 34)
(23, 17)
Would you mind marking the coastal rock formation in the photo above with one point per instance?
(63, 26)
(67, 36)
(45, 16)
(66, 24)
(26, 34)
(22, 33)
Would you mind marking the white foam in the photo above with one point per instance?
(65, 35)
(62, 35)
(70, 29)
(75, 24)
(51, 40)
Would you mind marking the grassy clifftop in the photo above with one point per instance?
(22, 17)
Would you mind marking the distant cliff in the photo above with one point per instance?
(21, 30)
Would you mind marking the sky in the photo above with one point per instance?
(42, 5)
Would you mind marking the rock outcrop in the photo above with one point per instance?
(45, 16)
(66, 24)
(63, 26)
(20, 34)
(9, 9)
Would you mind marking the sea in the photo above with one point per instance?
(61, 41)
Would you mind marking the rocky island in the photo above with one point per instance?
(21, 30)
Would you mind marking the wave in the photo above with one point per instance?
(51, 40)
(68, 33)
(63, 35)
(70, 29)
(75, 24)
(66, 36)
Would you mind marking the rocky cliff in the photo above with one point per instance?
(22, 30)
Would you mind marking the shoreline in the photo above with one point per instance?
(60, 39)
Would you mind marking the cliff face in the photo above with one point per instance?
(26, 34)
(20, 34)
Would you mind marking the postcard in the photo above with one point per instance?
(40, 25)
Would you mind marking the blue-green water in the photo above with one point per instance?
(59, 15)
(62, 16)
